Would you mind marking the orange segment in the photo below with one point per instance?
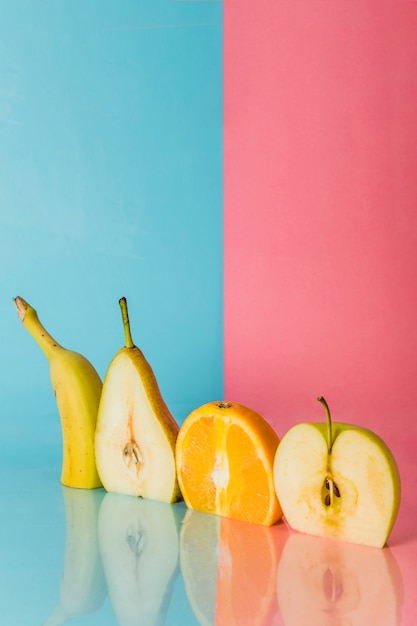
(225, 454)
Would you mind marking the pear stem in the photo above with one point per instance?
(126, 324)
(329, 424)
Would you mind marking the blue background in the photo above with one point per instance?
(110, 186)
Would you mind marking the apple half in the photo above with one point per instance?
(337, 480)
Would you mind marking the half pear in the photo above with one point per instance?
(136, 433)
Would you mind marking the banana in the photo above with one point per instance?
(83, 586)
(77, 388)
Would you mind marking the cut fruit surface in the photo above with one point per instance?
(224, 458)
(352, 494)
(134, 449)
(135, 433)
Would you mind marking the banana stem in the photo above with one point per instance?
(30, 321)
(126, 324)
(329, 424)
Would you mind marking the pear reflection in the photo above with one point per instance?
(326, 582)
(83, 587)
(248, 559)
(139, 548)
(199, 543)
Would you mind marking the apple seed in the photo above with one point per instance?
(332, 489)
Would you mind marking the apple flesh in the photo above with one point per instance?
(337, 480)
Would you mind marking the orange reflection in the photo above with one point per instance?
(199, 546)
(324, 582)
(246, 578)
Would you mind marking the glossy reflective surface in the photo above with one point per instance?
(89, 558)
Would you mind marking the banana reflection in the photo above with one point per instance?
(139, 548)
(199, 546)
(331, 583)
(82, 588)
(234, 573)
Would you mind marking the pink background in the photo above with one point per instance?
(320, 221)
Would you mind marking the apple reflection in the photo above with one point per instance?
(139, 547)
(82, 586)
(325, 582)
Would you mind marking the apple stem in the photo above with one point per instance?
(126, 324)
(329, 424)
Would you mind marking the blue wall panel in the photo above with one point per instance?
(110, 186)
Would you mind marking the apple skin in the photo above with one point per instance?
(363, 498)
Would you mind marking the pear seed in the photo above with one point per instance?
(127, 454)
(137, 454)
(327, 500)
(131, 452)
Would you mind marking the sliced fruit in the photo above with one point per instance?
(224, 455)
(337, 480)
(136, 433)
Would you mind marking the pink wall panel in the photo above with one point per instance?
(320, 217)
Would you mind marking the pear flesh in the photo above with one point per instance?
(135, 434)
(349, 492)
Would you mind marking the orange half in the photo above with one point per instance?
(224, 455)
